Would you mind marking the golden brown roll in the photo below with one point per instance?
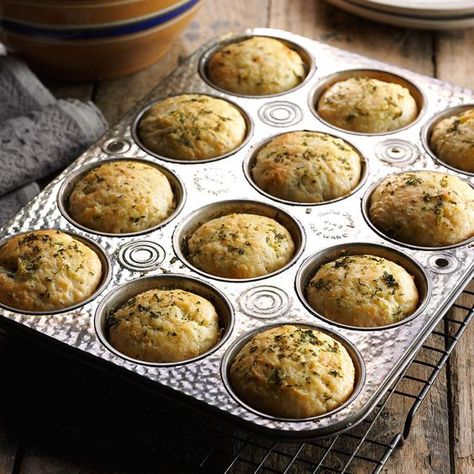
(364, 291)
(452, 140)
(364, 104)
(192, 127)
(164, 326)
(47, 270)
(241, 246)
(293, 372)
(307, 167)
(424, 208)
(122, 196)
(256, 66)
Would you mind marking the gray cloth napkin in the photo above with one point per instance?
(38, 134)
(20, 90)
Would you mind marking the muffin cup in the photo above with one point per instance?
(427, 130)
(237, 345)
(249, 163)
(71, 180)
(312, 264)
(170, 281)
(136, 136)
(190, 224)
(106, 274)
(365, 212)
(304, 54)
(328, 81)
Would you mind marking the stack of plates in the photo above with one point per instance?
(427, 14)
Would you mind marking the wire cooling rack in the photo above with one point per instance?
(62, 403)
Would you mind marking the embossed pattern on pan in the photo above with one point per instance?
(273, 300)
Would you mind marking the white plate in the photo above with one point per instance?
(405, 20)
(421, 8)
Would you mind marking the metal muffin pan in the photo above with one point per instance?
(272, 299)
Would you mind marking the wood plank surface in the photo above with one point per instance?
(442, 439)
(454, 63)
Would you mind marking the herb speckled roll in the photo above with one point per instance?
(241, 246)
(192, 127)
(452, 140)
(293, 372)
(363, 104)
(164, 326)
(307, 167)
(47, 270)
(256, 66)
(424, 208)
(122, 196)
(363, 290)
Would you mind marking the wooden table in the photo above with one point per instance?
(442, 438)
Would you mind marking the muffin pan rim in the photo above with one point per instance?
(249, 124)
(94, 246)
(365, 204)
(301, 283)
(71, 180)
(308, 59)
(326, 81)
(250, 159)
(426, 132)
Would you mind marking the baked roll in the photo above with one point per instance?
(307, 167)
(452, 140)
(363, 104)
(121, 197)
(192, 127)
(241, 246)
(363, 291)
(47, 270)
(424, 208)
(256, 66)
(164, 326)
(293, 372)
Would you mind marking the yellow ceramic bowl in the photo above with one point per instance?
(92, 39)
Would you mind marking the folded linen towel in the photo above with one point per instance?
(44, 141)
(38, 134)
(20, 90)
